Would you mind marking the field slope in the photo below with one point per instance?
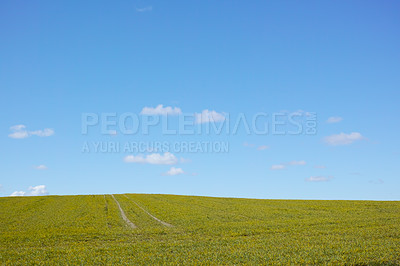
(196, 230)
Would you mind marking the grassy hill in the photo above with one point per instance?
(187, 230)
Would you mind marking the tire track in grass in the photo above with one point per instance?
(152, 216)
(128, 222)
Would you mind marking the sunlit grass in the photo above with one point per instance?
(89, 229)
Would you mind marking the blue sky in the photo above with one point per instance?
(223, 59)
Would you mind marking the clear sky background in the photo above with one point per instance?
(340, 60)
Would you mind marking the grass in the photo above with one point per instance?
(90, 230)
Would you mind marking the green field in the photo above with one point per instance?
(204, 230)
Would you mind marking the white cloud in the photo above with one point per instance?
(278, 167)
(154, 158)
(144, 9)
(262, 147)
(318, 178)
(39, 190)
(207, 116)
(18, 193)
(47, 132)
(174, 171)
(334, 119)
(18, 127)
(297, 113)
(41, 167)
(320, 166)
(284, 165)
(161, 110)
(19, 135)
(297, 163)
(20, 132)
(343, 139)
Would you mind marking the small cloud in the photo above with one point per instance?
(320, 166)
(207, 116)
(161, 110)
(47, 132)
(262, 147)
(334, 119)
(174, 171)
(278, 167)
(284, 165)
(343, 139)
(154, 158)
(19, 135)
(297, 163)
(38, 190)
(32, 191)
(297, 113)
(18, 193)
(318, 178)
(18, 127)
(301, 113)
(41, 167)
(144, 9)
(20, 132)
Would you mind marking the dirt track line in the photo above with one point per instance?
(152, 216)
(128, 222)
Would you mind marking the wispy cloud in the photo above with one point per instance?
(297, 113)
(278, 167)
(262, 147)
(41, 167)
(144, 9)
(154, 158)
(285, 165)
(334, 119)
(320, 166)
(319, 178)
(161, 110)
(297, 163)
(207, 116)
(20, 132)
(47, 132)
(32, 191)
(343, 139)
(174, 171)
